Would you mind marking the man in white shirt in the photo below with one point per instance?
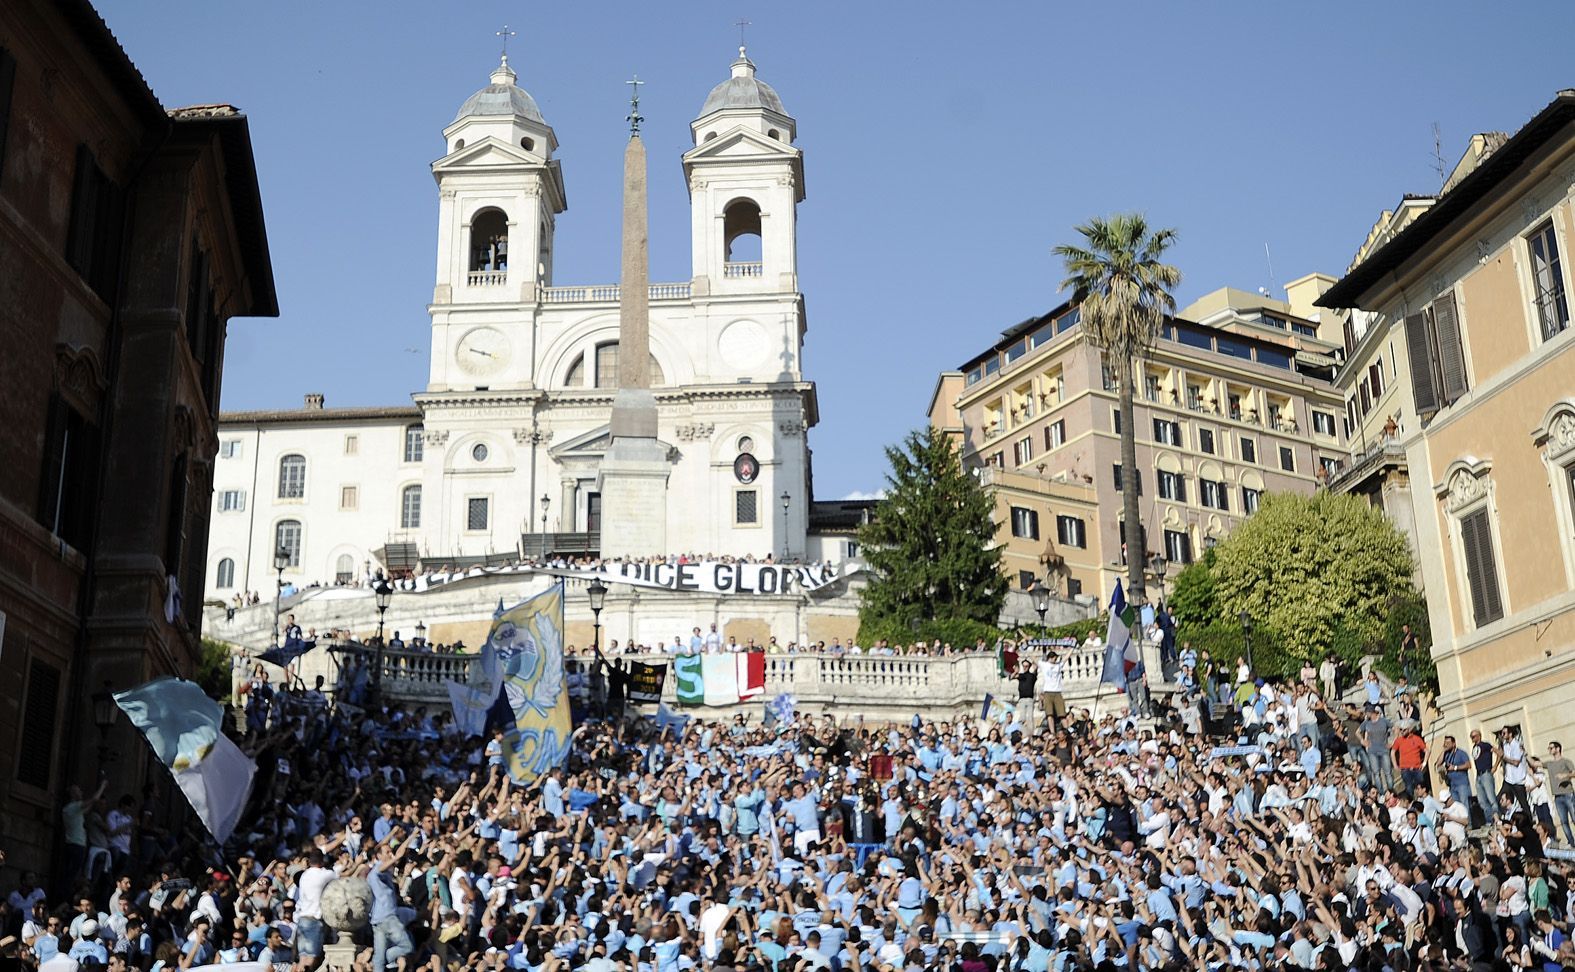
(1512, 754)
(713, 640)
(1051, 702)
(309, 906)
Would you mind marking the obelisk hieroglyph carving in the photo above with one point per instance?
(633, 475)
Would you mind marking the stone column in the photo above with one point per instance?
(566, 507)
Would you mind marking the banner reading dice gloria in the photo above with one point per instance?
(725, 679)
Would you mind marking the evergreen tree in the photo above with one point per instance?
(930, 545)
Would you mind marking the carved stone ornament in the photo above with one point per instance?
(696, 185)
(538, 435)
(435, 437)
(185, 427)
(790, 430)
(1560, 436)
(786, 181)
(1465, 488)
(78, 376)
(698, 430)
(1484, 250)
(530, 190)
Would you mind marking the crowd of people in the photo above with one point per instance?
(1047, 841)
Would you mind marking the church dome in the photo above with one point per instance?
(502, 97)
(742, 90)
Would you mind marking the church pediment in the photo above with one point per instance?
(592, 445)
(486, 152)
(741, 143)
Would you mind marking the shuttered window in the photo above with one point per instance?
(93, 241)
(1437, 356)
(1476, 539)
(39, 713)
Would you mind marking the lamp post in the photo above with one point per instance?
(1246, 637)
(105, 711)
(546, 501)
(421, 633)
(787, 501)
(281, 560)
(1159, 564)
(384, 593)
(1041, 597)
(598, 595)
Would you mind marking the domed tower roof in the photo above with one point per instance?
(502, 97)
(742, 90)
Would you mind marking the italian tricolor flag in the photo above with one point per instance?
(1121, 652)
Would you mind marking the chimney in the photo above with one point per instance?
(314, 401)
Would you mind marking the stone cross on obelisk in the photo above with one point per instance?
(633, 476)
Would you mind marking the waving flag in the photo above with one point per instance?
(720, 679)
(282, 655)
(183, 726)
(528, 642)
(471, 701)
(1120, 651)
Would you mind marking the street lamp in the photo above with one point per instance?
(1246, 636)
(546, 501)
(786, 502)
(281, 560)
(105, 712)
(421, 633)
(1158, 564)
(1041, 597)
(384, 593)
(598, 595)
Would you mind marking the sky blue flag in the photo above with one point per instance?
(1117, 637)
(668, 719)
(184, 728)
(288, 652)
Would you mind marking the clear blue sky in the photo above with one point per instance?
(947, 148)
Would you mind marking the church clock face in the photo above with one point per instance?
(483, 351)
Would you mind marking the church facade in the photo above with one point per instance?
(501, 453)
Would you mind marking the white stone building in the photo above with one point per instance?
(500, 453)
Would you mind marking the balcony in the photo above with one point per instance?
(487, 278)
(1384, 455)
(609, 293)
(733, 271)
(543, 545)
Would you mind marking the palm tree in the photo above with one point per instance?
(1123, 291)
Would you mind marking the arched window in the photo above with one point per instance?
(576, 378)
(410, 508)
(344, 569)
(287, 540)
(528, 144)
(292, 477)
(741, 233)
(607, 368)
(489, 241)
(226, 578)
(414, 444)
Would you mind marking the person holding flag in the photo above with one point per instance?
(1121, 651)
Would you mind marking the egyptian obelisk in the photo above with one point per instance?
(633, 475)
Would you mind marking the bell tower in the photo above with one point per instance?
(746, 179)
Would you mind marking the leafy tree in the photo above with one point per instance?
(1321, 572)
(1194, 601)
(930, 545)
(213, 669)
(1123, 292)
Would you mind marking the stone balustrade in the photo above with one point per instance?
(878, 687)
(609, 293)
(487, 278)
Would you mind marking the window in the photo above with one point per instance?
(997, 459)
(1195, 397)
(1108, 378)
(226, 577)
(1206, 440)
(1025, 523)
(1375, 379)
(1235, 347)
(1234, 403)
(344, 569)
(1329, 466)
(410, 508)
(1142, 540)
(93, 240)
(349, 497)
(232, 500)
(1476, 540)
(479, 452)
(352, 445)
(414, 443)
(1305, 330)
(1167, 432)
(1074, 587)
(1438, 359)
(1026, 579)
(66, 483)
(230, 449)
(853, 549)
(1172, 486)
(1151, 387)
(1070, 531)
(607, 365)
(1115, 420)
(1178, 547)
(292, 477)
(746, 507)
(1249, 500)
(741, 237)
(1023, 451)
(489, 241)
(1323, 423)
(1364, 399)
(36, 755)
(1249, 450)
(1547, 280)
(1287, 459)
(1055, 435)
(1017, 350)
(476, 511)
(1117, 477)
(1213, 494)
(287, 539)
(593, 512)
